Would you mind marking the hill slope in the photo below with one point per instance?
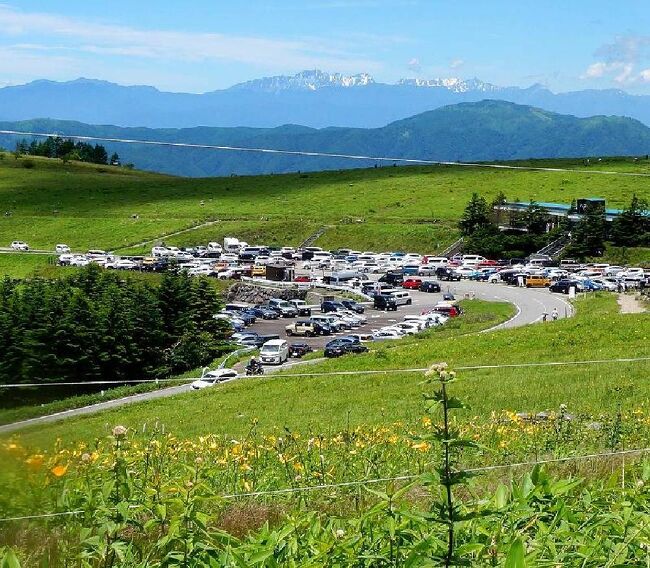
(414, 208)
(311, 98)
(488, 130)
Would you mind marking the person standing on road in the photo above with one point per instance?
(555, 314)
(544, 316)
(520, 281)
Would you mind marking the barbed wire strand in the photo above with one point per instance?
(321, 154)
(344, 373)
(407, 477)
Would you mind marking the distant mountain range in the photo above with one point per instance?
(482, 131)
(311, 98)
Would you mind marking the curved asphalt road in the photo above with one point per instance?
(530, 305)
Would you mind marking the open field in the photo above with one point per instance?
(328, 403)
(394, 207)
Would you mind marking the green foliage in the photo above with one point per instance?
(95, 325)
(55, 147)
(632, 227)
(588, 235)
(476, 216)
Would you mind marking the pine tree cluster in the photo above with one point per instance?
(66, 149)
(99, 326)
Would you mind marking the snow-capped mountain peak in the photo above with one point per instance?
(453, 84)
(306, 81)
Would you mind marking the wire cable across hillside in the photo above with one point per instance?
(415, 161)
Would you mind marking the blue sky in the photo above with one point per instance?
(203, 45)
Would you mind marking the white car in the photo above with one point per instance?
(274, 352)
(65, 259)
(609, 284)
(62, 249)
(408, 327)
(385, 333)
(20, 245)
(212, 378)
(202, 270)
(79, 260)
(96, 254)
(465, 271)
(427, 270)
(159, 251)
(121, 264)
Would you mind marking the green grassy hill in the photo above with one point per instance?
(414, 208)
(332, 403)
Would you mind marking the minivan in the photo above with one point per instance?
(402, 297)
(274, 352)
(537, 281)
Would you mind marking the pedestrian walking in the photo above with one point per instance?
(555, 314)
(544, 316)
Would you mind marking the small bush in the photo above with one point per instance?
(28, 164)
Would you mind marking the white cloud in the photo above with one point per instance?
(619, 60)
(414, 65)
(644, 76)
(456, 63)
(79, 35)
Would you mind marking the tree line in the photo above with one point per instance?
(67, 150)
(528, 232)
(100, 326)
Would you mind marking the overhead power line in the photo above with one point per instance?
(306, 153)
(361, 482)
(345, 373)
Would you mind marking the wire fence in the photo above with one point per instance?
(364, 482)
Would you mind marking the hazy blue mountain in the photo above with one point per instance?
(487, 130)
(311, 98)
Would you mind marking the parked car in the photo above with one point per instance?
(302, 327)
(412, 283)
(331, 306)
(274, 352)
(447, 273)
(385, 302)
(394, 278)
(20, 245)
(246, 338)
(429, 286)
(299, 350)
(284, 308)
(343, 346)
(386, 333)
(537, 281)
(264, 312)
(212, 378)
(563, 286)
(354, 306)
(302, 307)
(62, 249)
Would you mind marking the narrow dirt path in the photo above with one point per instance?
(163, 237)
(630, 304)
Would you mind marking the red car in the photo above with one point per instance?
(487, 263)
(302, 279)
(412, 283)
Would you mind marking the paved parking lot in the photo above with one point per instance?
(530, 305)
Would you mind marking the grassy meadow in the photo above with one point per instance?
(330, 403)
(87, 206)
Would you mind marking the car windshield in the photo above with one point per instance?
(270, 349)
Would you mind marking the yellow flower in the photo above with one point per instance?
(298, 466)
(426, 421)
(421, 446)
(247, 486)
(35, 461)
(59, 470)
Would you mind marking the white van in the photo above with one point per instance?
(214, 247)
(437, 261)
(472, 259)
(274, 352)
(402, 297)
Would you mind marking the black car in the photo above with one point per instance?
(394, 278)
(331, 306)
(299, 350)
(343, 346)
(448, 297)
(356, 307)
(264, 312)
(385, 302)
(429, 286)
(321, 328)
(446, 273)
(563, 286)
